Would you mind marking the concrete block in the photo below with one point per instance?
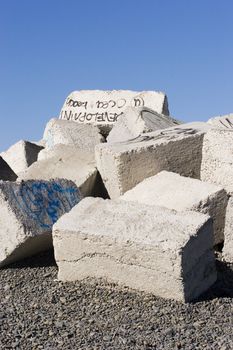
(65, 162)
(136, 121)
(179, 149)
(222, 121)
(217, 155)
(28, 211)
(6, 173)
(147, 248)
(181, 193)
(21, 155)
(83, 136)
(103, 108)
(228, 233)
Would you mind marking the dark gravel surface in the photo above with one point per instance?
(38, 312)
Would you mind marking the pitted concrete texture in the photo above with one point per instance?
(103, 108)
(149, 248)
(179, 149)
(222, 121)
(28, 211)
(21, 155)
(6, 173)
(136, 121)
(181, 193)
(83, 136)
(217, 155)
(228, 233)
(65, 162)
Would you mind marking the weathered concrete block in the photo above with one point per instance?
(83, 136)
(222, 121)
(148, 248)
(178, 149)
(6, 173)
(28, 211)
(136, 121)
(103, 108)
(228, 232)
(65, 162)
(181, 193)
(217, 155)
(21, 155)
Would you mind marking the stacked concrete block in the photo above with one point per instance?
(181, 193)
(177, 149)
(28, 211)
(65, 162)
(103, 108)
(147, 248)
(136, 121)
(21, 155)
(6, 173)
(228, 233)
(83, 136)
(222, 121)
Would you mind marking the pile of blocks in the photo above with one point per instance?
(123, 192)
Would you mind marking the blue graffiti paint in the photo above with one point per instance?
(44, 202)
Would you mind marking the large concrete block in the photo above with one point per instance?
(217, 155)
(181, 193)
(103, 108)
(83, 136)
(178, 149)
(65, 162)
(21, 155)
(28, 211)
(136, 121)
(228, 232)
(6, 173)
(147, 248)
(222, 121)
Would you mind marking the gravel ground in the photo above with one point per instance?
(38, 312)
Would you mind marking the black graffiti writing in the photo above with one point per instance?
(90, 117)
(111, 103)
(138, 102)
(74, 103)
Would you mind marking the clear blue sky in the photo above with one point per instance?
(51, 47)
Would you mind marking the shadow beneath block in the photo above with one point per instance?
(43, 259)
(223, 287)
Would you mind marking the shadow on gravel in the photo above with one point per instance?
(43, 259)
(223, 287)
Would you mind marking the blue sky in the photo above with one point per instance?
(51, 47)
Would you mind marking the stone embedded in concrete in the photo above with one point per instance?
(28, 211)
(6, 173)
(148, 248)
(228, 232)
(181, 193)
(217, 158)
(83, 136)
(103, 108)
(179, 149)
(21, 155)
(136, 121)
(222, 121)
(65, 162)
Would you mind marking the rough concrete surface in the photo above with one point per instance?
(228, 233)
(217, 155)
(222, 121)
(6, 173)
(146, 248)
(83, 136)
(21, 155)
(67, 162)
(179, 149)
(181, 193)
(28, 211)
(136, 121)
